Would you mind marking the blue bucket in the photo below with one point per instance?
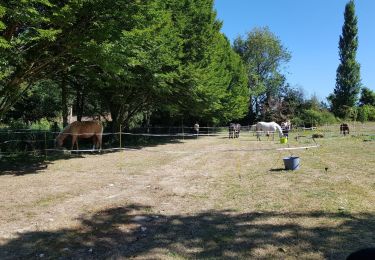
(291, 163)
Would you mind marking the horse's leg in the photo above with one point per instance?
(74, 139)
(94, 141)
(100, 142)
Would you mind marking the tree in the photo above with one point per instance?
(26, 29)
(264, 55)
(222, 86)
(367, 97)
(348, 81)
(126, 57)
(39, 101)
(211, 86)
(292, 101)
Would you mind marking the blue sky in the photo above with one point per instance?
(310, 30)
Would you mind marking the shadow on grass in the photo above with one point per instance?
(278, 170)
(25, 163)
(125, 232)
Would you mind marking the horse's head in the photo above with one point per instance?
(59, 141)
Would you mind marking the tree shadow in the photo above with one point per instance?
(22, 164)
(125, 232)
(33, 162)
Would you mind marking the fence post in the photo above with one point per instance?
(120, 136)
(182, 126)
(45, 144)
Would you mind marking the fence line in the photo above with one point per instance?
(40, 145)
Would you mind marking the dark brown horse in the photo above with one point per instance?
(344, 129)
(85, 129)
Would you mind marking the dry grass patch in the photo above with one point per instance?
(209, 197)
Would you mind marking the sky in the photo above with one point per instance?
(310, 30)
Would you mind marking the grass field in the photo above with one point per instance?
(210, 197)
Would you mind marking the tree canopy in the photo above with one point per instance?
(348, 79)
(127, 57)
(264, 56)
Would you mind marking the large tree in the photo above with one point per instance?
(348, 80)
(367, 97)
(264, 56)
(128, 57)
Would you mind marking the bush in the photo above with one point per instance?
(312, 117)
(366, 113)
(42, 124)
(17, 125)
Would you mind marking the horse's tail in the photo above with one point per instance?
(100, 137)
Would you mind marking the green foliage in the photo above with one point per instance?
(367, 97)
(348, 80)
(38, 102)
(312, 117)
(124, 57)
(366, 113)
(222, 86)
(42, 124)
(264, 55)
(17, 125)
(292, 101)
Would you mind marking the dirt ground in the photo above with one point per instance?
(210, 197)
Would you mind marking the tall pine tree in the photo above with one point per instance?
(348, 81)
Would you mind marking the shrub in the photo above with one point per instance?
(42, 124)
(366, 113)
(314, 117)
(17, 125)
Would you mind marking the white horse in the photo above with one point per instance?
(268, 127)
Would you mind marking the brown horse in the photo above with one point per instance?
(85, 129)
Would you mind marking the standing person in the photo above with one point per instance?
(196, 128)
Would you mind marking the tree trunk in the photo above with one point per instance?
(251, 113)
(64, 102)
(80, 103)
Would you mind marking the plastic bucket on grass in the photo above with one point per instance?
(291, 163)
(283, 140)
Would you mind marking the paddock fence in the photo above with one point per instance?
(40, 142)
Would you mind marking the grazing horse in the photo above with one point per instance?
(234, 130)
(268, 127)
(344, 129)
(85, 129)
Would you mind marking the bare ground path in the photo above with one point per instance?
(199, 198)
